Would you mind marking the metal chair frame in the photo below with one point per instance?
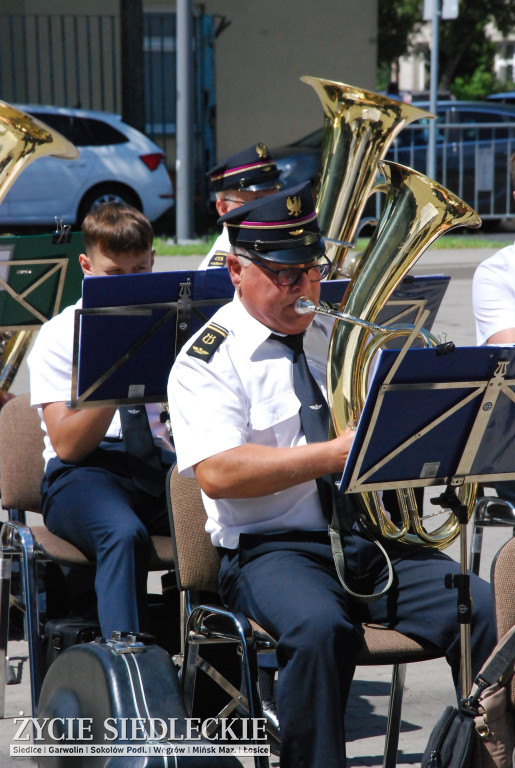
(489, 511)
(34, 545)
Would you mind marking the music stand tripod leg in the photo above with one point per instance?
(461, 582)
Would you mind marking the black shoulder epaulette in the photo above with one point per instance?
(208, 342)
(218, 259)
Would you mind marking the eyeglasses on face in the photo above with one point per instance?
(291, 275)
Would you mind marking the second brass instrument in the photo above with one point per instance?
(359, 128)
(22, 139)
(417, 211)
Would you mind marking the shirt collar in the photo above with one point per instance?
(251, 332)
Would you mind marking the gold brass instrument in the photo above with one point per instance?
(359, 128)
(22, 140)
(417, 211)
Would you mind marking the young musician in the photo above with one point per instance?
(95, 491)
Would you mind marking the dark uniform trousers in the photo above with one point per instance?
(288, 583)
(95, 505)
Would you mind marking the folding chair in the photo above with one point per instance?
(197, 566)
(21, 471)
(489, 511)
(502, 579)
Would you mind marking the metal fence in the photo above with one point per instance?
(472, 160)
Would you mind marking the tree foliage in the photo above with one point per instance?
(397, 21)
(465, 53)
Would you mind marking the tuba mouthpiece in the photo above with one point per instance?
(304, 306)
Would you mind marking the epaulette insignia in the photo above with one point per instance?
(218, 259)
(208, 342)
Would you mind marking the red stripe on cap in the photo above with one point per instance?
(242, 168)
(275, 224)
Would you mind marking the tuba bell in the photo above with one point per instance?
(359, 128)
(22, 139)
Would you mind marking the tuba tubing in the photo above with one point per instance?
(304, 306)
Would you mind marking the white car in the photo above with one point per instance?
(116, 163)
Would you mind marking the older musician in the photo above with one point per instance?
(493, 302)
(105, 468)
(245, 176)
(242, 423)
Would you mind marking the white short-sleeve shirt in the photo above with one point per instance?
(493, 294)
(50, 367)
(244, 394)
(221, 244)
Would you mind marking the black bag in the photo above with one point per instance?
(60, 634)
(480, 733)
(452, 742)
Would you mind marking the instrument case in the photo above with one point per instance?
(121, 682)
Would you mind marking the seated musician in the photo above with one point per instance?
(493, 302)
(239, 427)
(103, 488)
(247, 175)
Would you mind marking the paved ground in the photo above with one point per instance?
(428, 684)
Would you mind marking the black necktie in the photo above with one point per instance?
(144, 462)
(314, 411)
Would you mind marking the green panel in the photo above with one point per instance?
(47, 278)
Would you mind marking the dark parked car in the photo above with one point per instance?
(474, 143)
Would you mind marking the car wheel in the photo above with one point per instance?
(107, 193)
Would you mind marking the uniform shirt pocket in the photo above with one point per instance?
(276, 421)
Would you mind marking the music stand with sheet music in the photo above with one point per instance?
(136, 318)
(431, 419)
(39, 275)
(143, 320)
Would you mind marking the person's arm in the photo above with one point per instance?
(493, 299)
(256, 470)
(75, 434)
(506, 336)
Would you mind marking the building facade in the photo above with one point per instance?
(248, 61)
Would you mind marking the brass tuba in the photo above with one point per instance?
(22, 140)
(359, 128)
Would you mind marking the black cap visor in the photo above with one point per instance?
(291, 256)
(248, 186)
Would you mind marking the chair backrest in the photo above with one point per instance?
(21, 455)
(196, 560)
(503, 587)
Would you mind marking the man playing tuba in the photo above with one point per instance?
(244, 409)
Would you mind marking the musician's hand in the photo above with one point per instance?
(341, 446)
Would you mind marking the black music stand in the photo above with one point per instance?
(143, 320)
(39, 275)
(130, 329)
(433, 419)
